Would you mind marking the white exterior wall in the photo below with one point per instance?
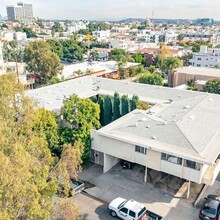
(109, 162)
(206, 59)
(171, 168)
(114, 149)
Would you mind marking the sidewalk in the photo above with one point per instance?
(111, 185)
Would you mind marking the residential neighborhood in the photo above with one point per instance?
(109, 110)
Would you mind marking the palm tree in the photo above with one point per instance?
(169, 65)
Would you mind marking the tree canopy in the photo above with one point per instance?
(12, 52)
(152, 79)
(30, 176)
(41, 61)
(212, 86)
(170, 64)
(83, 115)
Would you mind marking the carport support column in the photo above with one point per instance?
(145, 175)
(188, 190)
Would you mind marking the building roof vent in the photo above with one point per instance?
(187, 107)
(192, 117)
(143, 120)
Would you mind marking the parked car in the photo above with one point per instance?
(210, 209)
(153, 216)
(126, 164)
(131, 210)
(77, 186)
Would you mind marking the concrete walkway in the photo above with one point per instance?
(113, 184)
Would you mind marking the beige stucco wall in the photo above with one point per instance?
(112, 147)
(153, 159)
(115, 150)
(182, 78)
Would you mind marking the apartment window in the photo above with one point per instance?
(192, 165)
(198, 65)
(171, 158)
(199, 59)
(140, 149)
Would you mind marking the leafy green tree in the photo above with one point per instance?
(119, 55)
(116, 105)
(12, 52)
(138, 57)
(101, 105)
(74, 50)
(185, 58)
(83, 115)
(198, 44)
(124, 105)
(45, 123)
(56, 46)
(134, 101)
(29, 32)
(180, 37)
(212, 86)
(42, 61)
(29, 176)
(151, 69)
(107, 110)
(152, 79)
(57, 27)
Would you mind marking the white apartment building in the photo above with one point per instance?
(179, 135)
(75, 27)
(102, 36)
(121, 42)
(206, 57)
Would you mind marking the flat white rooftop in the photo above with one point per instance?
(203, 71)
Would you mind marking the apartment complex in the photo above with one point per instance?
(206, 58)
(22, 12)
(179, 135)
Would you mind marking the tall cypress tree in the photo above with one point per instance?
(116, 104)
(107, 110)
(133, 102)
(101, 105)
(125, 105)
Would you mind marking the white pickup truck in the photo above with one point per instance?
(127, 209)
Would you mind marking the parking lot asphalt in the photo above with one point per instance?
(127, 184)
(91, 208)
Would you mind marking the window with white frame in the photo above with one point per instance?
(192, 165)
(171, 158)
(140, 149)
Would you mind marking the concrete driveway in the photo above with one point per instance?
(128, 184)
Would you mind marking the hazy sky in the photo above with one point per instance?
(98, 9)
